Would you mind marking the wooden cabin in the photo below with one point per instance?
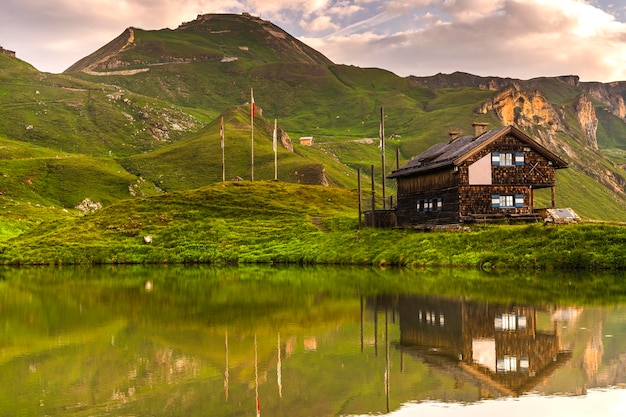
(489, 175)
(306, 140)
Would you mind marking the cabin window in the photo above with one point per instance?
(524, 364)
(434, 204)
(507, 159)
(505, 322)
(507, 201)
(506, 364)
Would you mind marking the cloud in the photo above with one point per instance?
(319, 24)
(516, 38)
(344, 9)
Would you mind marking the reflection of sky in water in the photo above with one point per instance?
(605, 403)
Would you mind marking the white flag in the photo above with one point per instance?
(222, 132)
(274, 138)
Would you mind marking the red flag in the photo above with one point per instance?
(252, 105)
(222, 132)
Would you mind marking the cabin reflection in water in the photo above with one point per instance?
(499, 348)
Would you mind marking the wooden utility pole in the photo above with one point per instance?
(275, 148)
(382, 149)
(252, 108)
(397, 158)
(222, 146)
(358, 179)
(373, 197)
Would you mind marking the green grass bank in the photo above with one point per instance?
(283, 223)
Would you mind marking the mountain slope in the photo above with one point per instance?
(213, 37)
(197, 160)
(161, 120)
(71, 115)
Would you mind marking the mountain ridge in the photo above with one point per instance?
(119, 52)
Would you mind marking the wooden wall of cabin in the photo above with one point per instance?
(536, 170)
(428, 321)
(476, 200)
(436, 186)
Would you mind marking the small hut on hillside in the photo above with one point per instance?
(306, 140)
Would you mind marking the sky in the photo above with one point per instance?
(506, 38)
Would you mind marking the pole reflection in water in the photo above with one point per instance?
(256, 379)
(279, 371)
(387, 359)
(226, 366)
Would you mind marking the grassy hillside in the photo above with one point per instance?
(274, 222)
(144, 118)
(197, 160)
(69, 115)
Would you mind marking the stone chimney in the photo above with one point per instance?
(453, 135)
(479, 128)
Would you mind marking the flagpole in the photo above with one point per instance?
(252, 134)
(222, 144)
(382, 146)
(275, 147)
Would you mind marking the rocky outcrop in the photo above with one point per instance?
(284, 140)
(611, 95)
(586, 114)
(532, 111)
(106, 57)
(88, 206)
(526, 109)
(7, 52)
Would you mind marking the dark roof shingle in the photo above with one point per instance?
(445, 153)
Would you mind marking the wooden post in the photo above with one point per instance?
(382, 146)
(358, 176)
(373, 196)
(252, 105)
(222, 146)
(275, 148)
(553, 191)
(397, 158)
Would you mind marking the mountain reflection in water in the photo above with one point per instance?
(293, 341)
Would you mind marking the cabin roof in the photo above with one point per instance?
(454, 152)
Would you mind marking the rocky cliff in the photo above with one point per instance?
(586, 115)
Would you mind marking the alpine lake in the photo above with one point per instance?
(261, 340)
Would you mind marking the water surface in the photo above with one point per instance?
(197, 341)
